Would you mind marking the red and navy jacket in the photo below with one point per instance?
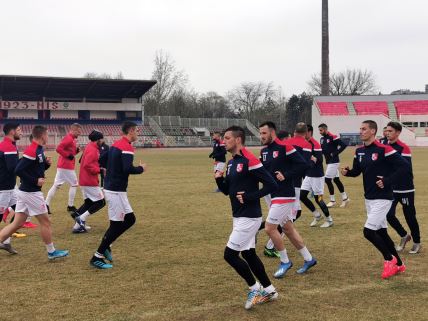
(119, 166)
(316, 170)
(332, 146)
(279, 156)
(103, 149)
(219, 151)
(403, 184)
(67, 150)
(244, 172)
(31, 167)
(383, 140)
(89, 165)
(8, 160)
(305, 150)
(377, 161)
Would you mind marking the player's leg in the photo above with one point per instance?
(410, 216)
(8, 230)
(297, 206)
(328, 218)
(330, 174)
(58, 182)
(394, 222)
(341, 188)
(270, 250)
(71, 178)
(93, 208)
(296, 239)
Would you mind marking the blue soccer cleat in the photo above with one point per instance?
(100, 264)
(306, 266)
(282, 270)
(108, 255)
(57, 254)
(253, 297)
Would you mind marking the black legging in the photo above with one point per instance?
(407, 200)
(338, 183)
(249, 267)
(91, 206)
(381, 240)
(318, 199)
(116, 229)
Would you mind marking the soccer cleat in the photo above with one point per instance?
(79, 230)
(390, 268)
(29, 225)
(8, 248)
(327, 223)
(315, 221)
(19, 235)
(265, 297)
(344, 203)
(57, 254)
(282, 270)
(252, 299)
(108, 255)
(403, 243)
(331, 204)
(271, 252)
(306, 266)
(5, 214)
(416, 248)
(99, 263)
(401, 268)
(74, 214)
(81, 223)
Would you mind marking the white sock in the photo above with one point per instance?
(270, 245)
(84, 216)
(270, 289)
(98, 255)
(50, 247)
(283, 256)
(71, 195)
(332, 198)
(344, 196)
(6, 241)
(255, 287)
(316, 214)
(51, 194)
(28, 219)
(306, 254)
(329, 219)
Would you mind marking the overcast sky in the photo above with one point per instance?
(220, 43)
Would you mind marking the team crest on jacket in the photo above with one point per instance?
(239, 167)
(275, 154)
(374, 156)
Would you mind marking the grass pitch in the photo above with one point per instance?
(170, 266)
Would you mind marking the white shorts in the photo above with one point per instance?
(66, 176)
(243, 236)
(376, 213)
(94, 193)
(297, 206)
(118, 205)
(219, 166)
(332, 170)
(314, 185)
(30, 203)
(279, 214)
(7, 199)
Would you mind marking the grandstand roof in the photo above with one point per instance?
(35, 88)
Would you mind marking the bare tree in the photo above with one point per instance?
(169, 80)
(348, 82)
(325, 54)
(104, 75)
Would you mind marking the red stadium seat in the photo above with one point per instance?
(333, 108)
(412, 107)
(371, 107)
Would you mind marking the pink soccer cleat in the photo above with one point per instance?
(390, 268)
(29, 225)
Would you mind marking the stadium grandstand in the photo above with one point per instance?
(343, 114)
(102, 104)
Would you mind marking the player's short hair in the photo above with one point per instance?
(216, 132)
(301, 128)
(283, 134)
(75, 126)
(310, 128)
(396, 125)
(372, 124)
(8, 127)
(127, 126)
(269, 124)
(38, 131)
(387, 125)
(237, 131)
(324, 126)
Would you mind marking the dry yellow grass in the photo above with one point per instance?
(170, 266)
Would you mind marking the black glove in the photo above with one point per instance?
(70, 157)
(210, 155)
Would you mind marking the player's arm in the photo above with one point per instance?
(21, 169)
(91, 163)
(355, 170)
(298, 164)
(62, 149)
(11, 160)
(222, 183)
(127, 164)
(400, 166)
(340, 146)
(269, 184)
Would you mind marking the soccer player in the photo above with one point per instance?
(404, 193)
(104, 148)
(9, 158)
(30, 201)
(332, 146)
(119, 167)
(218, 154)
(89, 183)
(384, 139)
(283, 135)
(67, 150)
(380, 165)
(314, 183)
(243, 174)
(284, 163)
